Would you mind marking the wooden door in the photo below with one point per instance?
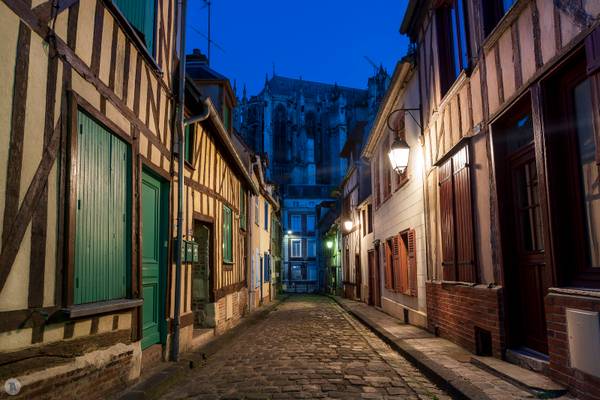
(530, 274)
(374, 296)
(154, 230)
(358, 275)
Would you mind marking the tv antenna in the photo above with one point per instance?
(375, 67)
(208, 4)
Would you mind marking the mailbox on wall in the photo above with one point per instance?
(190, 252)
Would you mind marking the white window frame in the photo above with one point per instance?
(295, 254)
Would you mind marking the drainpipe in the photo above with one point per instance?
(251, 233)
(181, 11)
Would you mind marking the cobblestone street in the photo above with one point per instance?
(308, 347)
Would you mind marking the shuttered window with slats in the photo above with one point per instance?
(458, 253)
(102, 238)
(141, 14)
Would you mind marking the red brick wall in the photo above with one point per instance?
(455, 310)
(582, 385)
(85, 383)
(240, 302)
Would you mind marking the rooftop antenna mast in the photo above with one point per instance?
(375, 67)
(209, 42)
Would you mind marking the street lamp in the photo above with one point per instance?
(398, 154)
(348, 225)
(329, 244)
(289, 232)
(399, 151)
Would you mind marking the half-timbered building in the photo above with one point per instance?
(509, 93)
(218, 187)
(86, 122)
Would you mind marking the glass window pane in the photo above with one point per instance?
(588, 171)
(462, 35)
(227, 235)
(296, 223)
(310, 223)
(507, 4)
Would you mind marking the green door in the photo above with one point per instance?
(154, 230)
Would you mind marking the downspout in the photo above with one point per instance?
(249, 257)
(181, 10)
(251, 233)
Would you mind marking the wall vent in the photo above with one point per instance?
(483, 342)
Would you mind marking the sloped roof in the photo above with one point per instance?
(280, 85)
(200, 71)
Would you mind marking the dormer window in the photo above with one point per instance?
(141, 15)
(226, 117)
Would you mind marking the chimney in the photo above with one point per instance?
(196, 57)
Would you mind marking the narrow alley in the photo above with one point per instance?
(307, 347)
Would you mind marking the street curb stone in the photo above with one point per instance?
(448, 380)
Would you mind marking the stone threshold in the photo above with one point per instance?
(455, 369)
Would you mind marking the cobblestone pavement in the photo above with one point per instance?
(307, 348)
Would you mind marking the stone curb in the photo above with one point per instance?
(155, 385)
(454, 384)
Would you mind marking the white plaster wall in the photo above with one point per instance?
(405, 208)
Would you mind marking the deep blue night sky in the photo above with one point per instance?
(321, 40)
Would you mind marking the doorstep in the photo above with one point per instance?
(533, 382)
(454, 368)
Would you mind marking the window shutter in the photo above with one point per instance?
(376, 181)
(396, 268)
(101, 236)
(447, 220)
(403, 265)
(141, 15)
(465, 251)
(412, 263)
(592, 52)
(388, 267)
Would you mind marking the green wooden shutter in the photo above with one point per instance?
(102, 216)
(227, 235)
(141, 15)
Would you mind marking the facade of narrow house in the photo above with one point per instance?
(328, 254)
(399, 229)
(217, 192)
(87, 128)
(509, 94)
(263, 208)
(355, 191)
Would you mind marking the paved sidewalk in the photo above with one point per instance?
(443, 360)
